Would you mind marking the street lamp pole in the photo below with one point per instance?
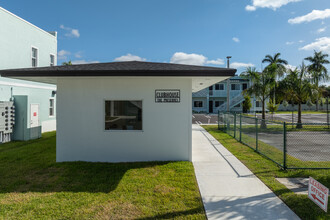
(228, 84)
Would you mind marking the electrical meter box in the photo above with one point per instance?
(28, 124)
(7, 121)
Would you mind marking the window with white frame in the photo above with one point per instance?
(34, 55)
(198, 104)
(235, 87)
(123, 115)
(219, 87)
(258, 104)
(52, 60)
(51, 107)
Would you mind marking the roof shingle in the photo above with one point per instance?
(129, 68)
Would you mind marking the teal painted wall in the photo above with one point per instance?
(17, 36)
(39, 96)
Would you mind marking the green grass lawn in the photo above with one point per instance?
(267, 171)
(303, 112)
(34, 186)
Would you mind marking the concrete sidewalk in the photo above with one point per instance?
(229, 189)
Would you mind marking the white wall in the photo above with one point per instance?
(81, 136)
(49, 125)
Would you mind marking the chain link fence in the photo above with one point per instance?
(290, 145)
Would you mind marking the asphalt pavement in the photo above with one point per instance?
(306, 118)
(205, 119)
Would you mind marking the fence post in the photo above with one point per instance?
(328, 117)
(240, 128)
(284, 146)
(227, 124)
(218, 119)
(235, 125)
(257, 134)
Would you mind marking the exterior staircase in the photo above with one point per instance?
(201, 93)
(233, 101)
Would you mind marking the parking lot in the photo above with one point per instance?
(305, 118)
(205, 119)
(305, 145)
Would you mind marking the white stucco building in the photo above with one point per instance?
(124, 111)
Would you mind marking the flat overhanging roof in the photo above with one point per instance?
(202, 76)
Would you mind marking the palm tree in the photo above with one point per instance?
(262, 85)
(69, 63)
(318, 70)
(278, 66)
(298, 88)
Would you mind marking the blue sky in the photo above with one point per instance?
(201, 32)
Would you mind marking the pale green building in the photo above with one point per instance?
(24, 45)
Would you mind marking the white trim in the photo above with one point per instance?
(27, 22)
(51, 116)
(33, 47)
(51, 54)
(26, 85)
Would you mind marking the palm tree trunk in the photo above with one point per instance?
(263, 110)
(299, 124)
(317, 97)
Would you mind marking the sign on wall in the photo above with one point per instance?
(318, 193)
(167, 96)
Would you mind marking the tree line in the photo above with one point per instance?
(278, 83)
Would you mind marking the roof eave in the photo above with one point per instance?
(134, 73)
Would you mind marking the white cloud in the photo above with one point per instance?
(321, 30)
(301, 41)
(314, 15)
(83, 62)
(62, 54)
(320, 44)
(70, 32)
(130, 57)
(78, 54)
(289, 42)
(291, 67)
(191, 59)
(194, 59)
(216, 62)
(272, 4)
(250, 8)
(235, 39)
(237, 65)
